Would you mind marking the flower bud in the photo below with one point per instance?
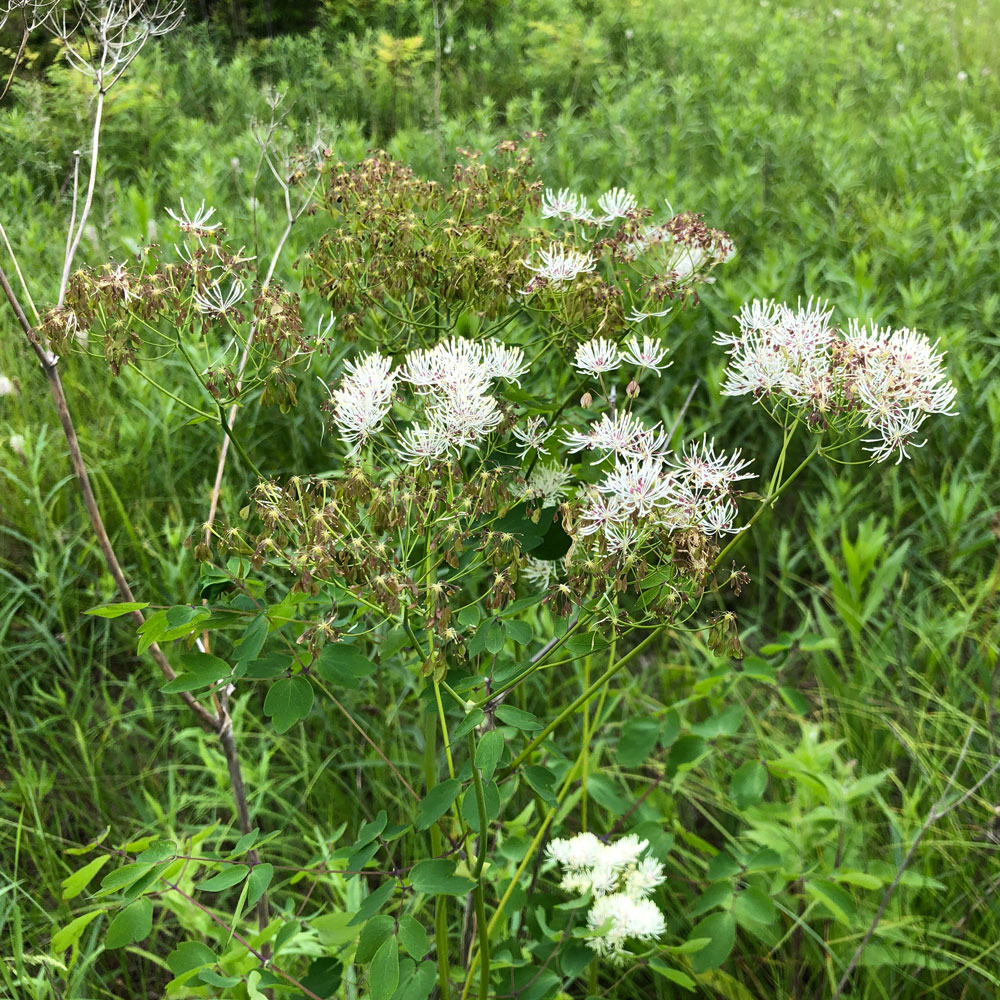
(632, 389)
(586, 400)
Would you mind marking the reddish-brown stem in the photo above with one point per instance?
(48, 361)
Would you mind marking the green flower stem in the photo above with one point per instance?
(441, 900)
(768, 501)
(223, 421)
(166, 392)
(588, 693)
(477, 874)
(586, 746)
(522, 867)
(588, 731)
(444, 729)
(533, 664)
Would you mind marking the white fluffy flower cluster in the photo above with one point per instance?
(620, 878)
(891, 380)
(451, 383)
(650, 487)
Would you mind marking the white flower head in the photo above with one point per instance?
(643, 878)
(615, 919)
(601, 513)
(423, 445)
(597, 356)
(620, 879)
(619, 433)
(648, 354)
(539, 573)
(704, 468)
(532, 435)
(213, 301)
(198, 223)
(559, 264)
(364, 397)
(638, 485)
(565, 204)
(506, 363)
(896, 437)
(6, 386)
(548, 483)
(581, 851)
(616, 204)
(637, 315)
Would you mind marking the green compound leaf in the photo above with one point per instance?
(413, 937)
(69, 936)
(494, 636)
(189, 955)
(420, 984)
(124, 876)
(159, 850)
(519, 632)
(720, 929)
(344, 665)
(288, 701)
(543, 781)
(753, 904)
(519, 719)
(117, 610)
(488, 753)
(74, 884)
(373, 903)
(226, 879)
(673, 975)
(838, 901)
(436, 803)
(748, 784)
(437, 877)
(260, 879)
(384, 975)
(131, 924)
(473, 719)
(324, 976)
(373, 934)
(637, 741)
(248, 647)
(213, 978)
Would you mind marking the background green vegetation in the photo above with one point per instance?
(852, 154)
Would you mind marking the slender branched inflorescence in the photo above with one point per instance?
(101, 39)
(27, 14)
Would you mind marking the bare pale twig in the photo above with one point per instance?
(293, 212)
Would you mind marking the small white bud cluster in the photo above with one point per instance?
(621, 878)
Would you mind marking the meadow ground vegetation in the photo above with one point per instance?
(499, 500)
